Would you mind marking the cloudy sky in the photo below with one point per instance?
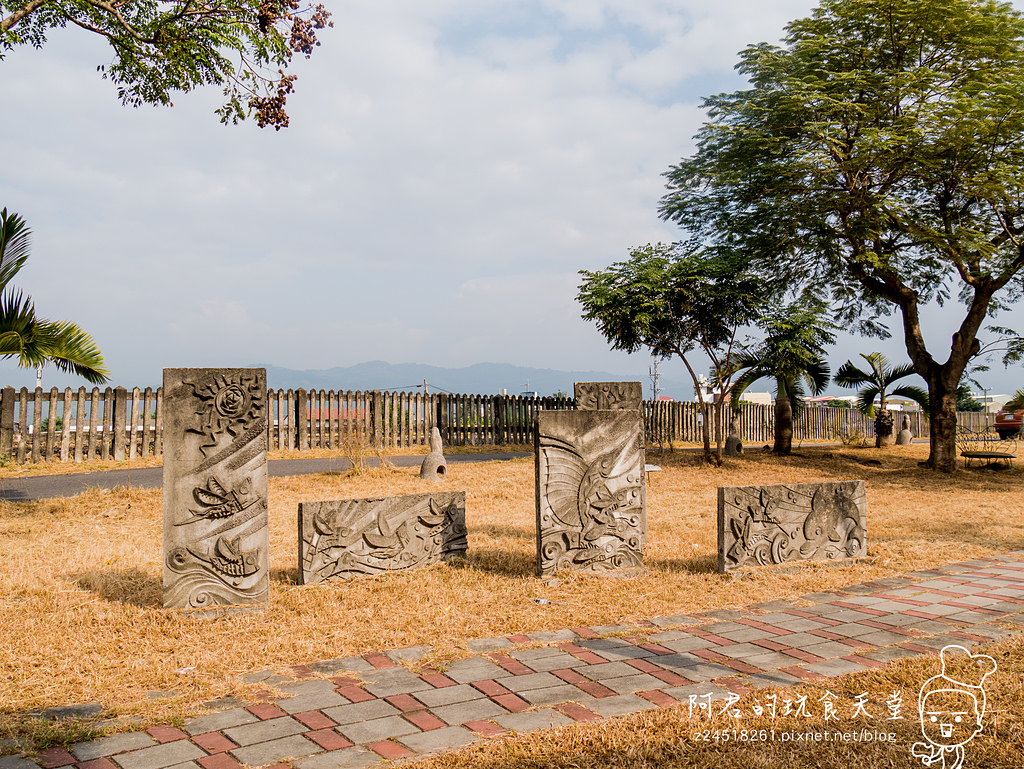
(450, 167)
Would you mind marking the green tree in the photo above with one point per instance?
(674, 301)
(879, 154)
(965, 400)
(161, 47)
(877, 380)
(35, 341)
(792, 353)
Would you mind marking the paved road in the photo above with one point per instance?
(354, 711)
(49, 486)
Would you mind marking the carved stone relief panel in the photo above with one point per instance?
(215, 487)
(591, 492)
(607, 396)
(354, 537)
(764, 525)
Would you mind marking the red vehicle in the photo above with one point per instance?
(1008, 423)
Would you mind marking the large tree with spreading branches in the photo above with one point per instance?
(878, 153)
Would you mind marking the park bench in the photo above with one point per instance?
(985, 446)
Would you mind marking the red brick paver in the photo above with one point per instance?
(314, 719)
(389, 749)
(328, 739)
(213, 742)
(576, 712)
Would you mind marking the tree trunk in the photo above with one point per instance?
(883, 428)
(942, 440)
(783, 426)
(705, 413)
(720, 407)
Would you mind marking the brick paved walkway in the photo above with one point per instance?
(354, 711)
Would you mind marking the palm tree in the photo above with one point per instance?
(791, 354)
(879, 377)
(35, 341)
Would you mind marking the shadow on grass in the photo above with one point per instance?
(502, 563)
(128, 586)
(705, 564)
(497, 531)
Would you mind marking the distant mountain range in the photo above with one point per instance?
(479, 379)
(482, 378)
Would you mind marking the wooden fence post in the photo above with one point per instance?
(301, 420)
(7, 421)
(376, 415)
(120, 421)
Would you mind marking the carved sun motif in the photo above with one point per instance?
(226, 406)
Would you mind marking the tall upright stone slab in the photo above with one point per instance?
(607, 396)
(355, 537)
(215, 487)
(591, 493)
(766, 525)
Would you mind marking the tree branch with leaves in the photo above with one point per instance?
(164, 46)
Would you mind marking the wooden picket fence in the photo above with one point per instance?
(117, 423)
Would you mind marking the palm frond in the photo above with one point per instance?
(915, 393)
(15, 241)
(70, 349)
(866, 400)
(849, 375)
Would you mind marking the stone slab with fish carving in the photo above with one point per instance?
(590, 490)
(348, 538)
(215, 488)
(769, 525)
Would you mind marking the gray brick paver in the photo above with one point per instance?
(108, 746)
(553, 695)
(361, 711)
(160, 756)
(465, 671)
(306, 702)
(346, 758)
(341, 665)
(448, 695)
(530, 681)
(790, 622)
(389, 681)
(527, 655)
(830, 649)
(554, 662)
(378, 729)
(263, 753)
(677, 661)
(215, 722)
(739, 651)
(264, 731)
(552, 636)
(628, 684)
(530, 720)
(310, 686)
(619, 705)
(605, 670)
(475, 710)
(835, 667)
(17, 762)
(687, 644)
(439, 739)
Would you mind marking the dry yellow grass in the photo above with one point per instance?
(80, 582)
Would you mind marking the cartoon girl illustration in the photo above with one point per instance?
(951, 706)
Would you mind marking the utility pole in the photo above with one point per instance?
(655, 379)
(425, 390)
